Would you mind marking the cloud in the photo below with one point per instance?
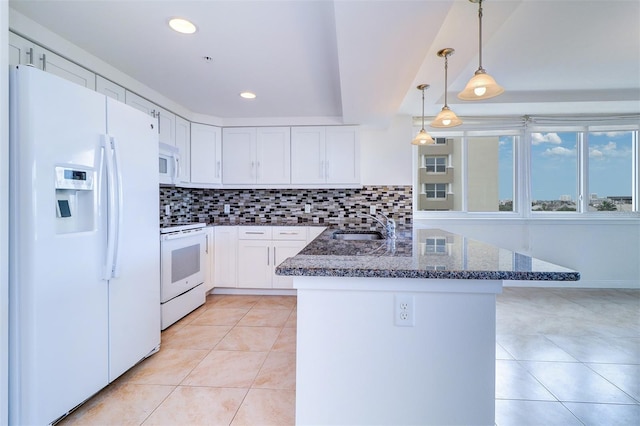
(538, 138)
(609, 150)
(559, 151)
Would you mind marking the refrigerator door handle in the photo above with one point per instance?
(111, 205)
(118, 208)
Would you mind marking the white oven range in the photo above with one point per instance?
(182, 254)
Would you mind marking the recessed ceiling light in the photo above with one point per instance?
(182, 26)
(248, 95)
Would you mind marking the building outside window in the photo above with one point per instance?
(436, 164)
(436, 190)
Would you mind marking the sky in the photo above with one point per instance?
(554, 165)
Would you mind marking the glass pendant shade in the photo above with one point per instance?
(481, 86)
(423, 138)
(446, 118)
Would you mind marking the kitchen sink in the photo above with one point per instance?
(357, 235)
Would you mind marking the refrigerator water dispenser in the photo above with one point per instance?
(74, 199)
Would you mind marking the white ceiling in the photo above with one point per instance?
(359, 62)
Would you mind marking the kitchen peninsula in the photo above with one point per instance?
(401, 331)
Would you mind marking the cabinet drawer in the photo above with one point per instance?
(290, 233)
(254, 233)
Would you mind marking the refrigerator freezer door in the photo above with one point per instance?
(134, 291)
(58, 301)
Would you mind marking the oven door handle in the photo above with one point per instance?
(178, 235)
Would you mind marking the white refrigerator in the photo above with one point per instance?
(84, 292)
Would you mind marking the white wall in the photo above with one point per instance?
(606, 253)
(4, 213)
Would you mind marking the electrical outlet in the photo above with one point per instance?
(307, 208)
(167, 210)
(404, 310)
(372, 210)
(227, 209)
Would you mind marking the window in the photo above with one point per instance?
(490, 173)
(610, 171)
(436, 245)
(554, 171)
(436, 190)
(532, 166)
(435, 164)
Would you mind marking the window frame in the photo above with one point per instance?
(436, 190)
(436, 165)
(522, 127)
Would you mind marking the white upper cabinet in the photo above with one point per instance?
(239, 155)
(25, 52)
(256, 155)
(325, 155)
(206, 154)
(110, 89)
(183, 143)
(307, 155)
(166, 119)
(342, 155)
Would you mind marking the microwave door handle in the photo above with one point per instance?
(176, 168)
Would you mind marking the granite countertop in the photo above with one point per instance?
(419, 253)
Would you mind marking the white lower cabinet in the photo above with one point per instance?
(209, 259)
(261, 249)
(225, 254)
(247, 256)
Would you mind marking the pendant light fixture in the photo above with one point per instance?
(446, 117)
(482, 85)
(423, 138)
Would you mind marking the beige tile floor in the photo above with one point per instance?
(564, 356)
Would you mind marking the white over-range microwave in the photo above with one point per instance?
(169, 164)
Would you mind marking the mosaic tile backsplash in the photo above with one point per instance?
(284, 206)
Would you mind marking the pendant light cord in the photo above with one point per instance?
(446, 66)
(423, 109)
(480, 33)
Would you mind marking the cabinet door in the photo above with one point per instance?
(25, 52)
(225, 256)
(209, 259)
(22, 51)
(61, 67)
(183, 143)
(273, 155)
(110, 89)
(166, 126)
(307, 155)
(140, 103)
(255, 263)
(281, 251)
(342, 155)
(206, 154)
(239, 164)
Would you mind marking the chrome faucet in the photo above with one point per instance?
(390, 226)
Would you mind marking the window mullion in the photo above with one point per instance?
(583, 171)
(523, 186)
